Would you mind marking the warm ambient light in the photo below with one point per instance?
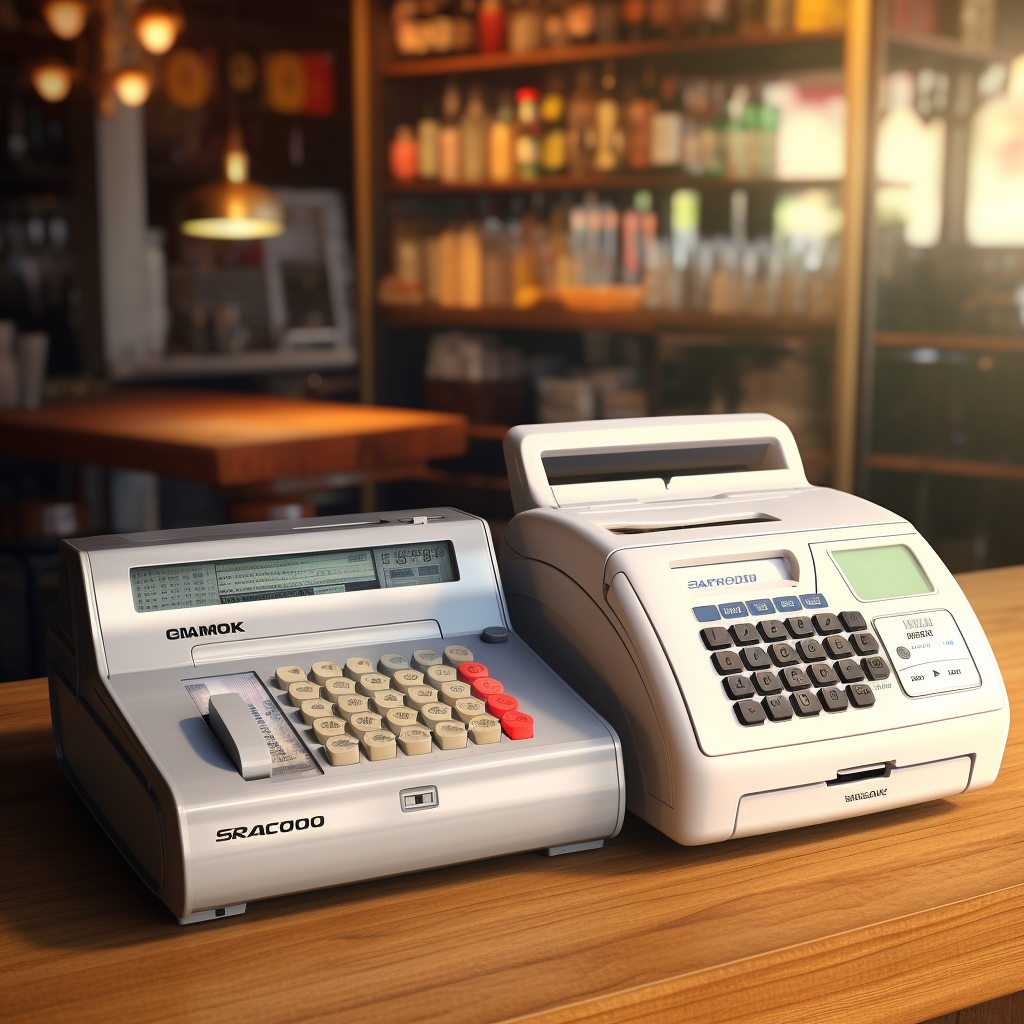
(235, 209)
(65, 18)
(132, 86)
(52, 79)
(157, 27)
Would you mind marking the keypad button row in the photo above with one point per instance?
(794, 678)
(760, 606)
(799, 627)
(805, 704)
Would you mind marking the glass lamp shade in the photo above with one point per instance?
(233, 211)
(132, 86)
(52, 79)
(157, 27)
(65, 18)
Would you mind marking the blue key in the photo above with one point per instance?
(813, 601)
(787, 604)
(733, 611)
(760, 607)
(706, 613)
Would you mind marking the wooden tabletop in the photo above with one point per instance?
(230, 439)
(891, 918)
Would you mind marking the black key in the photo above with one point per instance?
(726, 662)
(838, 647)
(861, 695)
(875, 668)
(833, 699)
(805, 704)
(849, 671)
(794, 679)
(715, 638)
(738, 687)
(778, 708)
(822, 675)
(744, 633)
(811, 650)
(799, 626)
(864, 643)
(767, 682)
(852, 621)
(783, 654)
(755, 657)
(772, 629)
(749, 712)
(826, 622)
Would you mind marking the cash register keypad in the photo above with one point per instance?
(813, 663)
(375, 707)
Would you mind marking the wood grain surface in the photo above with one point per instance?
(891, 918)
(230, 439)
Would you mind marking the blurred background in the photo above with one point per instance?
(515, 210)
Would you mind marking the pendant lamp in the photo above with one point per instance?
(234, 209)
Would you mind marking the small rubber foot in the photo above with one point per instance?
(213, 915)
(557, 851)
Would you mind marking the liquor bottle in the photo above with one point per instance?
(609, 141)
(580, 129)
(667, 126)
(428, 140)
(607, 21)
(633, 19)
(403, 159)
(525, 26)
(580, 20)
(528, 132)
(639, 108)
(491, 26)
(450, 167)
(501, 141)
(553, 138)
(474, 129)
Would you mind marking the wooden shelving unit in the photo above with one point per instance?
(189, 366)
(951, 342)
(894, 462)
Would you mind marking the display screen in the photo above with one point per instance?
(878, 573)
(197, 584)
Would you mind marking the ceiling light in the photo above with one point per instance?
(52, 79)
(132, 86)
(65, 18)
(157, 27)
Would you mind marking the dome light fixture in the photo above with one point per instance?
(158, 25)
(65, 18)
(234, 209)
(132, 86)
(52, 79)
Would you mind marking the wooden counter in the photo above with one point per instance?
(892, 918)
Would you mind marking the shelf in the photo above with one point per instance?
(488, 431)
(940, 466)
(235, 364)
(626, 180)
(916, 49)
(554, 318)
(790, 49)
(956, 342)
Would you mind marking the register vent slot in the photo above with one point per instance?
(661, 461)
(869, 771)
(696, 525)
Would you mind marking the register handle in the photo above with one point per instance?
(233, 724)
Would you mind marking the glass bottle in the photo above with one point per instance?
(749, 16)
(403, 160)
(778, 15)
(555, 30)
(607, 21)
(667, 126)
(717, 15)
(661, 18)
(640, 106)
(553, 139)
(450, 166)
(490, 26)
(525, 26)
(474, 127)
(501, 141)
(580, 20)
(689, 16)
(428, 139)
(608, 141)
(580, 130)
(528, 132)
(633, 19)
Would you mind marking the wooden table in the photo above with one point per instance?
(232, 440)
(890, 918)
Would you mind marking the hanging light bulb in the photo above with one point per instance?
(236, 208)
(52, 79)
(158, 25)
(65, 18)
(132, 86)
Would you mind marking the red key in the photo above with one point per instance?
(470, 670)
(485, 688)
(500, 704)
(517, 725)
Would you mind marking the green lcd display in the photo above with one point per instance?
(877, 573)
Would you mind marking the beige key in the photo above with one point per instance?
(357, 704)
(452, 692)
(432, 714)
(325, 728)
(364, 723)
(438, 675)
(324, 670)
(298, 692)
(356, 667)
(414, 739)
(386, 700)
(485, 729)
(420, 696)
(389, 664)
(379, 745)
(406, 679)
(371, 683)
(313, 709)
(335, 688)
(401, 718)
(456, 655)
(288, 674)
(424, 659)
(342, 750)
(450, 735)
(469, 708)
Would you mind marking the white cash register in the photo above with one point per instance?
(772, 654)
(266, 708)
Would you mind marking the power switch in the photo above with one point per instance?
(418, 799)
